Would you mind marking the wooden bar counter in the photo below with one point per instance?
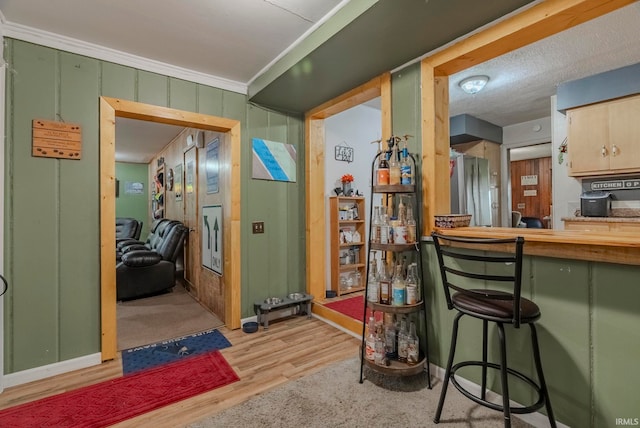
(586, 285)
(611, 247)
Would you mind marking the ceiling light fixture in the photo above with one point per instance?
(474, 84)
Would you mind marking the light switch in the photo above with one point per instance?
(258, 226)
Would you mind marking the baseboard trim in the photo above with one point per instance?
(43, 372)
(536, 419)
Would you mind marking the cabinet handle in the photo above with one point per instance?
(614, 150)
(603, 151)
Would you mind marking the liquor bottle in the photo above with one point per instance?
(406, 178)
(412, 290)
(373, 286)
(394, 167)
(375, 227)
(413, 348)
(390, 337)
(379, 356)
(384, 230)
(403, 336)
(385, 286)
(398, 287)
(411, 226)
(383, 168)
(370, 340)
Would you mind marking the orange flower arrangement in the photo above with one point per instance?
(347, 178)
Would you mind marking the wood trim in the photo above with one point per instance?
(316, 223)
(342, 320)
(110, 108)
(623, 248)
(540, 21)
(107, 231)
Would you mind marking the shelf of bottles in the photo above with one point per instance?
(394, 293)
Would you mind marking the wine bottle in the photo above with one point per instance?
(383, 168)
(413, 348)
(394, 167)
(398, 287)
(373, 286)
(383, 279)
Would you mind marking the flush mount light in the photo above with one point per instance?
(474, 84)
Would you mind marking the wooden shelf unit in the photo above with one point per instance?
(347, 220)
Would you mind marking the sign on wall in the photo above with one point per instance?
(56, 139)
(212, 238)
(212, 166)
(273, 161)
(529, 180)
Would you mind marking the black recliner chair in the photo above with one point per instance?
(151, 268)
(127, 228)
(533, 222)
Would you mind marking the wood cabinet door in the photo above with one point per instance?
(624, 134)
(588, 139)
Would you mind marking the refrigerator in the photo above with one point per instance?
(471, 189)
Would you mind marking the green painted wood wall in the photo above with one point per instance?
(52, 311)
(133, 205)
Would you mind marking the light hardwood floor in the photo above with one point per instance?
(289, 349)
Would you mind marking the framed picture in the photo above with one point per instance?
(212, 238)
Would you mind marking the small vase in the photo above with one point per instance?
(346, 188)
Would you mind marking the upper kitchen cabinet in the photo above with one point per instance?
(603, 138)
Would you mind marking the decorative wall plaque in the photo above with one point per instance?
(56, 139)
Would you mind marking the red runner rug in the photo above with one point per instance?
(115, 400)
(351, 307)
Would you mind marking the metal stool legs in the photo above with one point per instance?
(543, 384)
(447, 373)
(504, 373)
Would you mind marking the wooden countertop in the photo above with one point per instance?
(609, 247)
(603, 219)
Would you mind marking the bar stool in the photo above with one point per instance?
(471, 275)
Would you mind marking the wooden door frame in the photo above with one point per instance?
(110, 108)
(314, 163)
(540, 21)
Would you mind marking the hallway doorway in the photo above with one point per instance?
(110, 108)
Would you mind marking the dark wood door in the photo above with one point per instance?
(531, 187)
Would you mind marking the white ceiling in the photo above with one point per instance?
(237, 39)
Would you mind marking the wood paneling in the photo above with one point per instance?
(534, 206)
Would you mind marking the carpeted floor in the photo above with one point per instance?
(161, 317)
(115, 400)
(333, 397)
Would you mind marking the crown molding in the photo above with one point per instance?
(80, 47)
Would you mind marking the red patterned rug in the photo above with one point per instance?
(113, 401)
(351, 307)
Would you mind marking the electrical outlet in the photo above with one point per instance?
(258, 226)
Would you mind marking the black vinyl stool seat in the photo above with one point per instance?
(498, 266)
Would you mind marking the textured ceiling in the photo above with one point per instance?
(523, 81)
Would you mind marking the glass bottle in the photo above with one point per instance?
(375, 226)
(384, 230)
(406, 177)
(411, 226)
(385, 286)
(370, 340)
(379, 356)
(373, 286)
(390, 337)
(394, 167)
(413, 348)
(383, 169)
(403, 337)
(412, 293)
(398, 287)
